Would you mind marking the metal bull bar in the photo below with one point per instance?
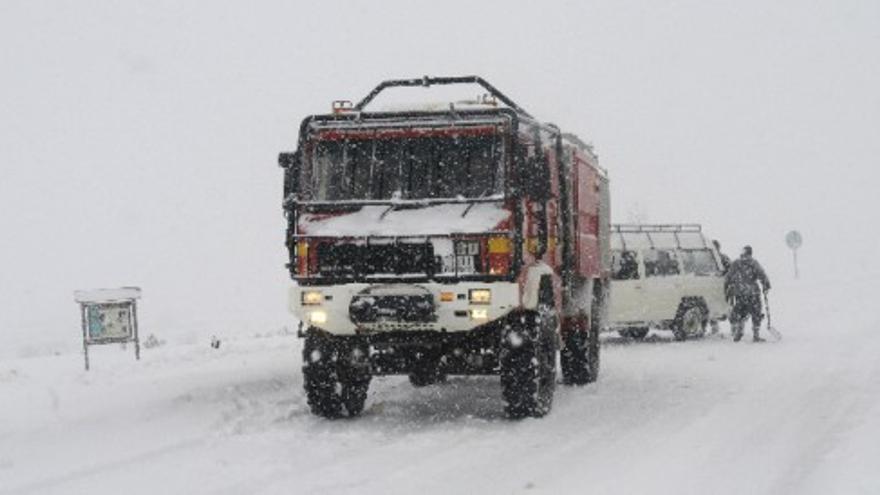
(427, 270)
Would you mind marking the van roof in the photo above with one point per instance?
(658, 236)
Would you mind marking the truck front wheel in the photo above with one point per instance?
(528, 366)
(334, 375)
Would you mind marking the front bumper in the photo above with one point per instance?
(332, 313)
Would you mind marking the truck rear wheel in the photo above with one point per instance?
(528, 367)
(332, 378)
(580, 350)
(580, 358)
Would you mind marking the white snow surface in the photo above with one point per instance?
(710, 416)
(107, 295)
(429, 220)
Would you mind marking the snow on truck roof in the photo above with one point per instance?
(666, 236)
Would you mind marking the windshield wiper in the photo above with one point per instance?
(387, 211)
(474, 201)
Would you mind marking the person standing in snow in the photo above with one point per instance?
(744, 294)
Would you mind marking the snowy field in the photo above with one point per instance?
(800, 416)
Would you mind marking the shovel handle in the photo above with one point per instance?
(773, 331)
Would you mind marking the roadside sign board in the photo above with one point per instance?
(109, 316)
(110, 322)
(794, 239)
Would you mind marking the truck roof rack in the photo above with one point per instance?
(657, 227)
(427, 81)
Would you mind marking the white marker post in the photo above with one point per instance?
(794, 241)
(109, 316)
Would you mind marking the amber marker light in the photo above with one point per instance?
(312, 298)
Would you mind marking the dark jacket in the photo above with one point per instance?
(743, 277)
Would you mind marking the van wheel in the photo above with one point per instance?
(690, 321)
(637, 333)
(528, 367)
(331, 378)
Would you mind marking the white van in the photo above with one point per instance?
(664, 276)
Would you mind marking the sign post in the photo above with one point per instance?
(794, 241)
(109, 316)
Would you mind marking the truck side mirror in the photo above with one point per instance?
(535, 179)
(290, 162)
(536, 186)
(543, 232)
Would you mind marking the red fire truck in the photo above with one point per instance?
(466, 239)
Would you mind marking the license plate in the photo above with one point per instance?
(458, 264)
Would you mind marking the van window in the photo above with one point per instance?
(698, 262)
(624, 265)
(660, 262)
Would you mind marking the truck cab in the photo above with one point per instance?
(467, 240)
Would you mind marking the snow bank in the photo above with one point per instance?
(665, 417)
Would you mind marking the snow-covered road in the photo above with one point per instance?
(801, 416)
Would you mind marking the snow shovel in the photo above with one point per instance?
(770, 329)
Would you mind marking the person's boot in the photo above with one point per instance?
(737, 330)
(757, 337)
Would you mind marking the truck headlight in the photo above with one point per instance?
(480, 314)
(312, 298)
(318, 317)
(480, 296)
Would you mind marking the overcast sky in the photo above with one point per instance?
(138, 140)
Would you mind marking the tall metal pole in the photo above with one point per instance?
(82, 309)
(137, 340)
(794, 241)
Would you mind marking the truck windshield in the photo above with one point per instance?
(418, 167)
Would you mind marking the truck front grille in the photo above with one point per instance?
(349, 260)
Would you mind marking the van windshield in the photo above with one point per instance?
(410, 167)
